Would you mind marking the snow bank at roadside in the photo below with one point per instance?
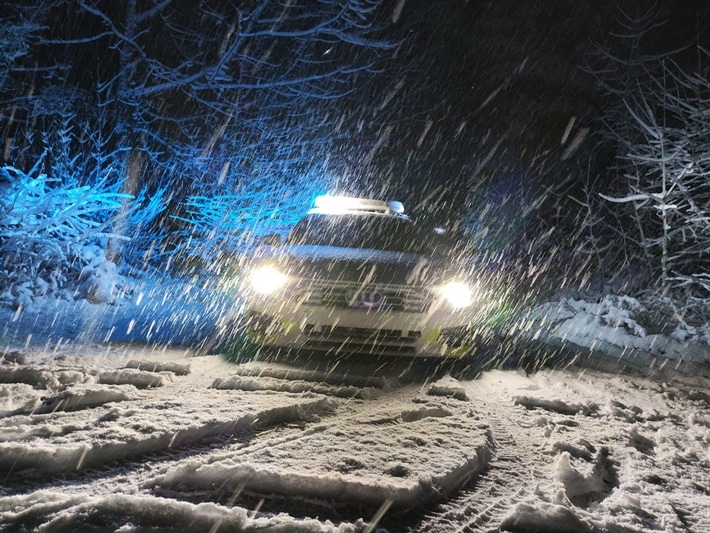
(622, 328)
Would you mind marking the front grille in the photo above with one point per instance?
(373, 297)
(342, 339)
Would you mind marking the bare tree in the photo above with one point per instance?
(667, 179)
(206, 99)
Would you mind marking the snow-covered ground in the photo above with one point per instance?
(322, 448)
(98, 436)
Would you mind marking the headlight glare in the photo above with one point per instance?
(458, 294)
(267, 279)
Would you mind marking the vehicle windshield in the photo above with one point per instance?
(367, 231)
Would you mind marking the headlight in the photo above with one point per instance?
(267, 279)
(458, 294)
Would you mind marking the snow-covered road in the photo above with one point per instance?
(130, 438)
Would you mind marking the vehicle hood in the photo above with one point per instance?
(361, 265)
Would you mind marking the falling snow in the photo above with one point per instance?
(551, 164)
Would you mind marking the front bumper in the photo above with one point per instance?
(440, 332)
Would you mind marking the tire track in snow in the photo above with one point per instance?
(43, 445)
(341, 467)
(482, 505)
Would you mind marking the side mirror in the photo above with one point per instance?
(273, 239)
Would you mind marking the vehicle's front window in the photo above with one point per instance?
(366, 231)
